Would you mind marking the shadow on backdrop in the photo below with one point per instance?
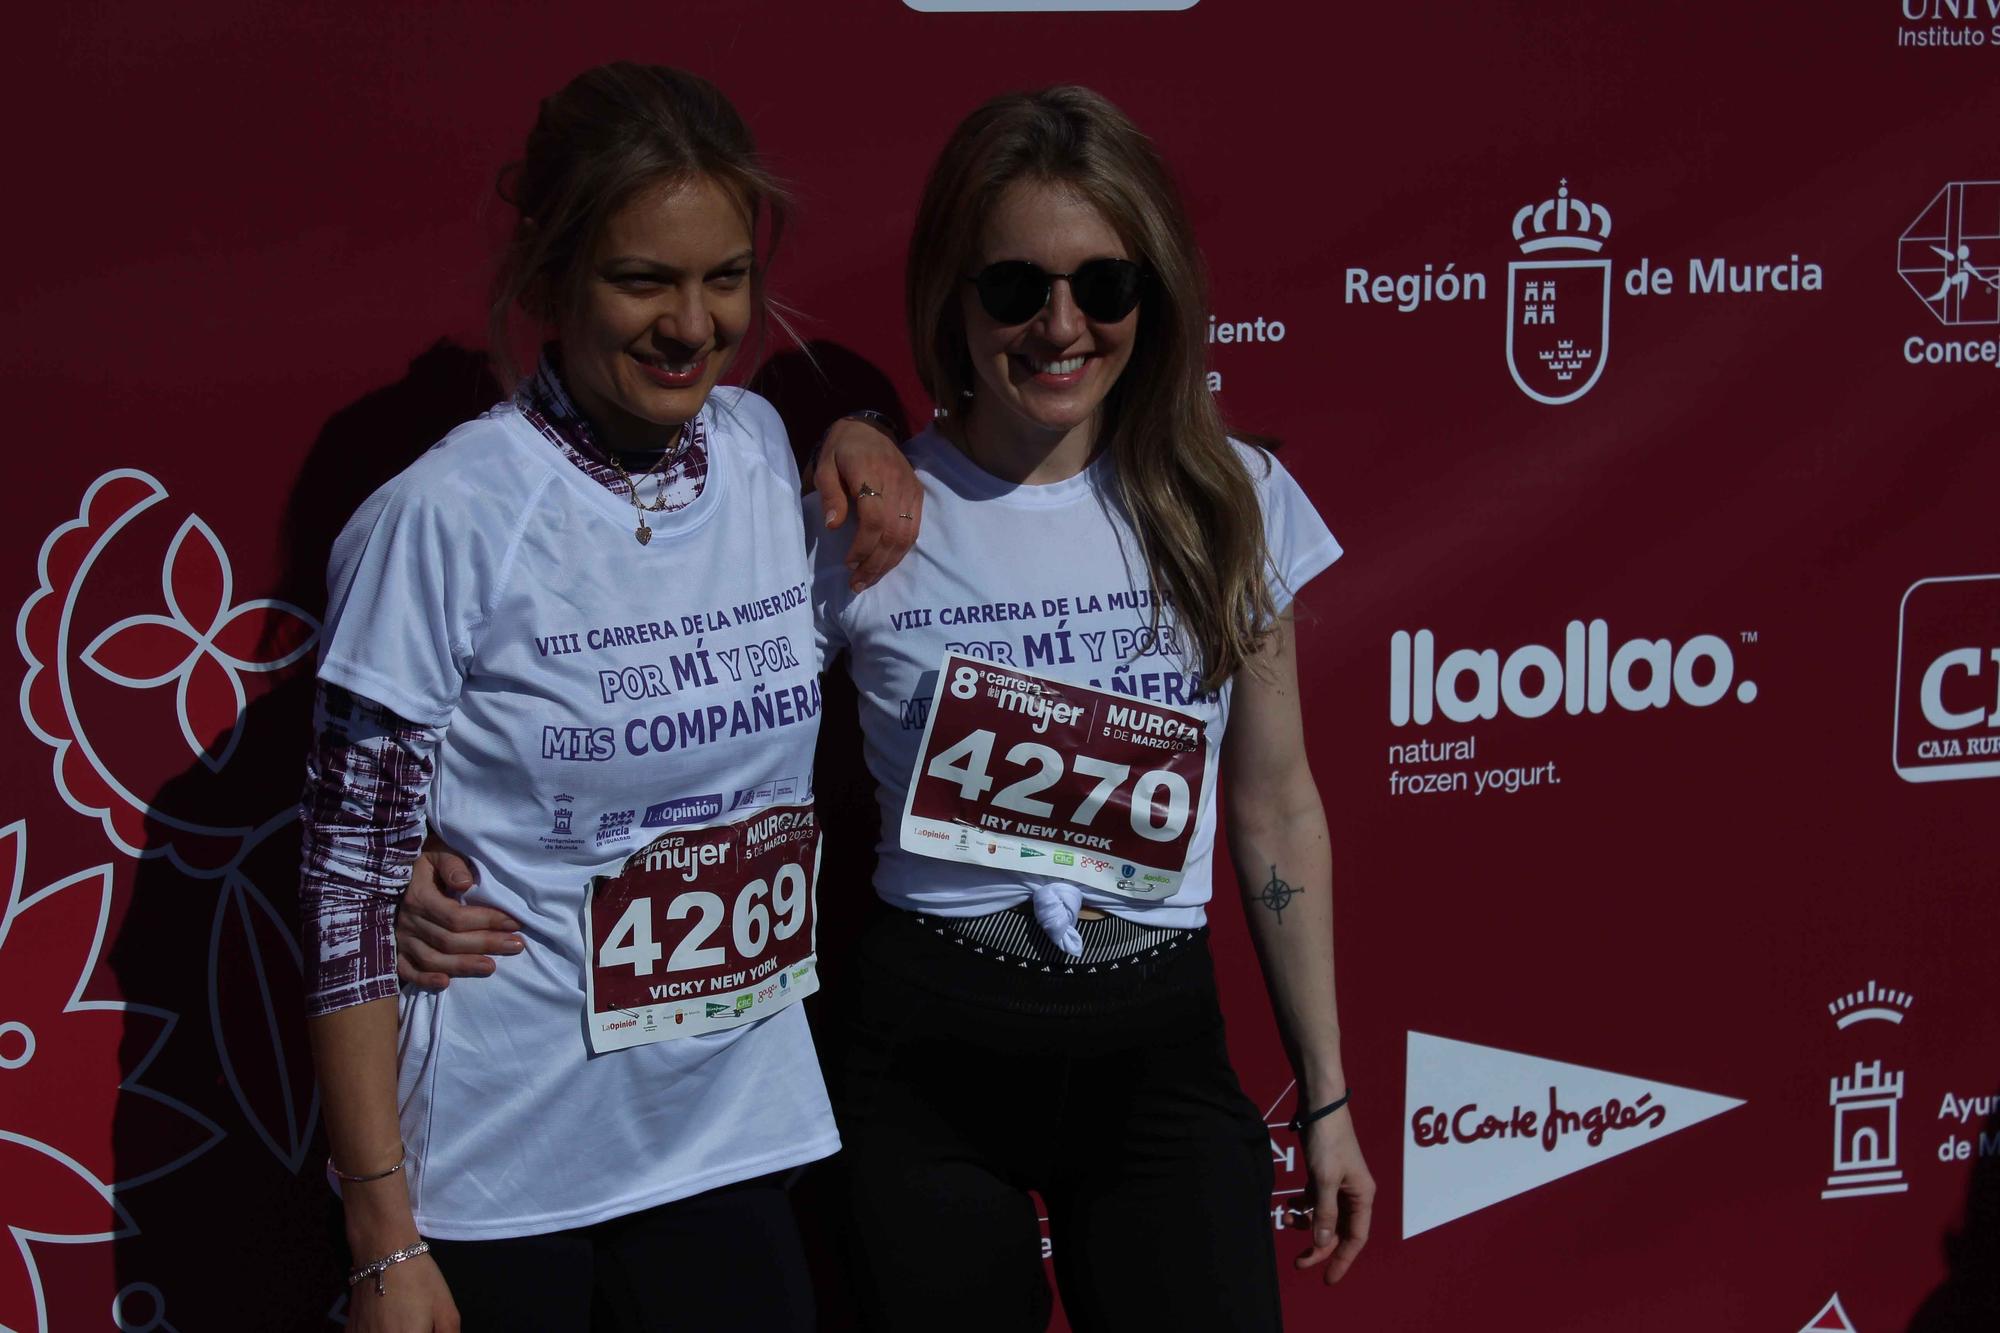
(256, 1222)
(811, 392)
(1968, 1300)
(250, 1237)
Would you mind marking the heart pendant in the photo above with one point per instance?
(644, 534)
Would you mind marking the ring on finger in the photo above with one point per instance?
(867, 492)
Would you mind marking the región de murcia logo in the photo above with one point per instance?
(1559, 309)
(1559, 293)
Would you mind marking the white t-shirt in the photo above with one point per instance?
(497, 592)
(1049, 578)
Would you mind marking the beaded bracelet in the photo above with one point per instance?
(384, 1264)
(1303, 1118)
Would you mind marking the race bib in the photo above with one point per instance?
(705, 929)
(1025, 773)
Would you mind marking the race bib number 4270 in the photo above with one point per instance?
(1029, 774)
(704, 929)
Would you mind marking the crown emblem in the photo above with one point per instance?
(1562, 223)
(1872, 1003)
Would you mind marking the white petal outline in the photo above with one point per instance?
(251, 836)
(194, 524)
(181, 668)
(263, 604)
(212, 762)
(238, 891)
(18, 905)
(126, 1226)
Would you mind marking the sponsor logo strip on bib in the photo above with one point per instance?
(705, 929)
(1028, 774)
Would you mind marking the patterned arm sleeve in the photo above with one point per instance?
(368, 773)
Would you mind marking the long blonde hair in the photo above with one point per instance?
(1190, 499)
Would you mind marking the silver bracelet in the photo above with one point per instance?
(383, 1265)
(379, 1175)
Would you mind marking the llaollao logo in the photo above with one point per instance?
(1587, 675)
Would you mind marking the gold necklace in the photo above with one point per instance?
(660, 467)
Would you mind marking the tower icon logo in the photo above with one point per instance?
(1559, 309)
(1864, 1133)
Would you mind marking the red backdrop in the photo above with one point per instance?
(249, 251)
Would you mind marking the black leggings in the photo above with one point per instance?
(727, 1259)
(967, 1083)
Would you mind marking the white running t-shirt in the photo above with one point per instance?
(1046, 578)
(585, 683)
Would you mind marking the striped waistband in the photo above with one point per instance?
(1014, 936)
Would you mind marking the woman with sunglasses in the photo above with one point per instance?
(575, 637)
(1096, 622)
(1093, 624)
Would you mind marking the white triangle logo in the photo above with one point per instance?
(1830, 1319)
(1479, 1126)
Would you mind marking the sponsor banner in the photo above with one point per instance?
(682, 810)
(703, 929)
(1031, 773)
(1484, 1124)
(1041, 6)
(1947, 722)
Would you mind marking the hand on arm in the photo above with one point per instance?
(439, 936)
(1278, 841)
(857, 454)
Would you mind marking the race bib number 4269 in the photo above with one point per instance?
(704, 929)
(1029, 774)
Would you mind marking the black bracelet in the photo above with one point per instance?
(1303, 1118)
(879, 420)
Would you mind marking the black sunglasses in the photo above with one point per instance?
(1014, 291)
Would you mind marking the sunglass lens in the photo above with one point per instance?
(1012, 291)
(1107, 289)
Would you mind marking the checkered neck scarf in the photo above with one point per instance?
(544, 400)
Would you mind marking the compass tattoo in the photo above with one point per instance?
(1277, 894)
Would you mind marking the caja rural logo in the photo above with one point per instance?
(1947, 710)
(1559, 294)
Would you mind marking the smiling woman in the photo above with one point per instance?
(467, 681)
(667, 302)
